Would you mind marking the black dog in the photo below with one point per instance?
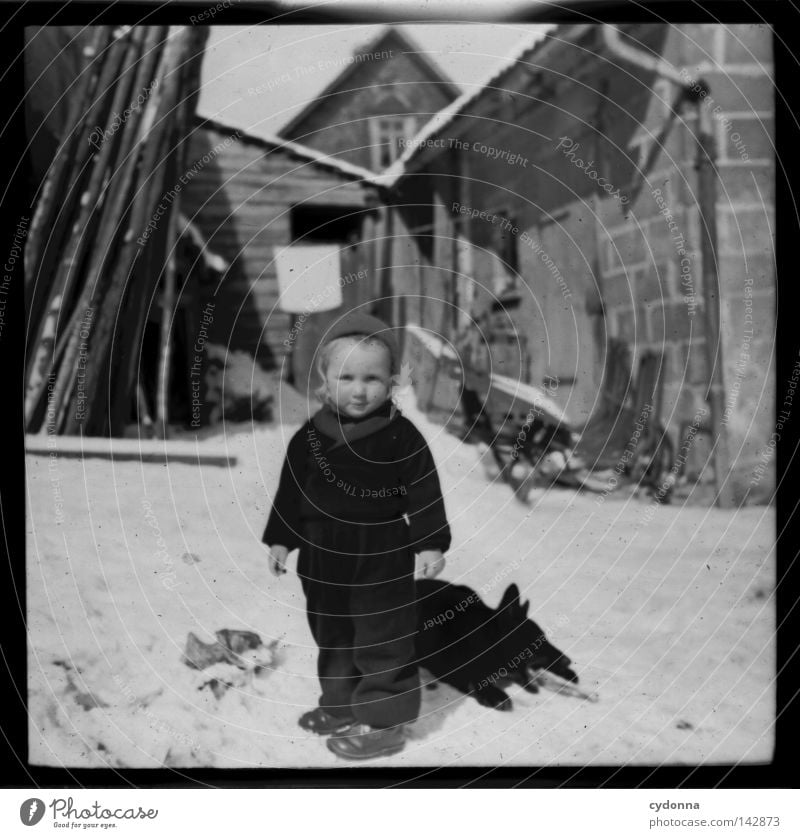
(472, 647)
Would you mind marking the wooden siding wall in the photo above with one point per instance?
(241, 201)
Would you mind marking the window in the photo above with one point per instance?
(387, 134)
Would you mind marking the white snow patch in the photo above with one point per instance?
(666, 613)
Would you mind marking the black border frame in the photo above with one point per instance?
(16, 772)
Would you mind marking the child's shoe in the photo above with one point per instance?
(322, 722)
(361, 741)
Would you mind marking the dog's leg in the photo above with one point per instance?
(492, 696)
(530, 686)
(526, 680)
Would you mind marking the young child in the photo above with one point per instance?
(359, 496)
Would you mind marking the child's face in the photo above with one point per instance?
(358, 377)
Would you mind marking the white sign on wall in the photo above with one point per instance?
(308, 278)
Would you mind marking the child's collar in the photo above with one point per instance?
(345, 430)
(386, 409)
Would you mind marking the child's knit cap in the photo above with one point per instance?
(361, 324)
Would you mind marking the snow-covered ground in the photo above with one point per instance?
(666, 612)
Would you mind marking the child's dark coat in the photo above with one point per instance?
(358, 512)
(371, 481)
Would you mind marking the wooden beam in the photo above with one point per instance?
(707, 204)
(141, 450)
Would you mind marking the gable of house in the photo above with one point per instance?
(386, 93)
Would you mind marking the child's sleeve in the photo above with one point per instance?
(426, 513)
(283, 526)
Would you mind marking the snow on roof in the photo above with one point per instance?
(317, 157)
(274, 142)
(445, 117)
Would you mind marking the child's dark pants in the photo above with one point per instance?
(360, 600)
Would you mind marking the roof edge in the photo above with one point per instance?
(311, 155)
(445, 117)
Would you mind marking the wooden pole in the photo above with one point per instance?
(111, 265)
(127, 182)
(707, 200)
(44, 357)
(148, 195)
(50, 203)
(126, 365)
(89, 257)
(190, 78)
(182, 55)
(55, 255)
(76, 156)
(127, 361)
(168, 293)
(463, 226)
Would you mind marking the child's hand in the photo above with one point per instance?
(277, 559)
(432, 563)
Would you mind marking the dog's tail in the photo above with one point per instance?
(549, 681)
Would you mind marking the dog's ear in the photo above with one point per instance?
(524, 609)
(510, 598)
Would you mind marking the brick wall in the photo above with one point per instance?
(653, 290)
